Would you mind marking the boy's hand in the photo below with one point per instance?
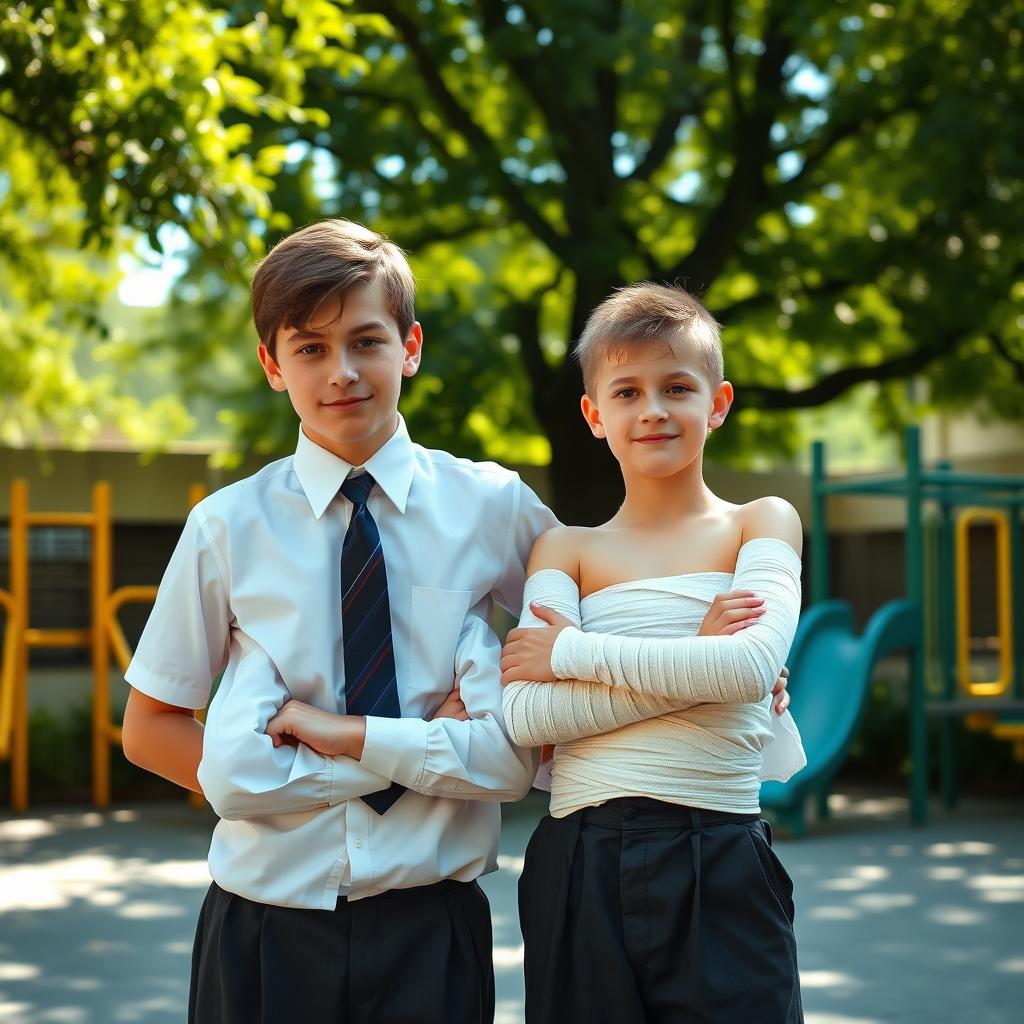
(527, 652)
(779, 691)
(452, 708)
(729, 613)
(326, 733)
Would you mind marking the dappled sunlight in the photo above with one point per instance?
(18, 972)
(177, 948)
(892, 923)
(997, 883)
(513, 864)
(867, 806)
(830, 913)
(827, 979)
(969, 848)
(11, 1011)
(98, 878)
(141, 910)
(899, 850)
(143, 1009)
(508, 956)
(957, 916)
(26, 829)
(840, 1018)
(946, 873)
(508, 1012)
(847, 884)
(861, 876)
(880, 901)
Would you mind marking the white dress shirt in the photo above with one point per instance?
(253, 591)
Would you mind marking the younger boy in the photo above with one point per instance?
(653, 862)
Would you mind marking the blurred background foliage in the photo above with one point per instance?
(842, 181)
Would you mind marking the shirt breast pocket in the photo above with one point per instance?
(437, 617)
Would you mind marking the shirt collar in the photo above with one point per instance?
(322, 473)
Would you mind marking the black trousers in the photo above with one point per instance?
(410, 956)
(642, 912)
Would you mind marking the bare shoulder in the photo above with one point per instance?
(558, 548)
(772, 517)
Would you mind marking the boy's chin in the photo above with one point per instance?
(658, 467)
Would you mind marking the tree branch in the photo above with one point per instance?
(664, 136)
(763, 301)
(841, 130)
(755, 396)
(1015, 361)
(746, 187)
(584, 153)
(432, 235)
(732, 68)
(524, 318)
(459, 118)
(403, 102)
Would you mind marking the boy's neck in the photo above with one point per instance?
(356, 453)
(653, 502)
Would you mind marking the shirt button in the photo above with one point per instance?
(359, 844)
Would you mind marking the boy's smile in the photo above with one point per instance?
(343, 371)
(654, 405)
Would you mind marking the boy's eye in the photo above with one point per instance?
(678, 389)
(309, 349)
(368, 342)
(625, 393)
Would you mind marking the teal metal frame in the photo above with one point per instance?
(948, 489)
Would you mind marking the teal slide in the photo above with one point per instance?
(830, 671)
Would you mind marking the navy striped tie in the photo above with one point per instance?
(370, 684)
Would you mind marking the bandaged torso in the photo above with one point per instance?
(673, 716)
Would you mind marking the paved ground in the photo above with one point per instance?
(895, 924)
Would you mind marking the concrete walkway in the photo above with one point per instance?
(894, 924)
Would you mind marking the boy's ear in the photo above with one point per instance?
(720, 405)
(592, 415)
(271, 369)
(413, 345)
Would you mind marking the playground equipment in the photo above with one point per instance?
(831, 668)
(104, 638)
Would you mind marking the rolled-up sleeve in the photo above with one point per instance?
(471, 760)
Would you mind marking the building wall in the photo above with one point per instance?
(149, 507)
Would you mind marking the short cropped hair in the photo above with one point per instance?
(325, 259)
(644, 313)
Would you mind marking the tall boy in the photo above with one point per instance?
(389, 804)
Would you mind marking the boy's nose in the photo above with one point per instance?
(343, 372)
(653, 411)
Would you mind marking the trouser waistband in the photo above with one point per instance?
(646, 812)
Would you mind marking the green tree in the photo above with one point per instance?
(119, 118)
(841, 180)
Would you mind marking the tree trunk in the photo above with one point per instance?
(586, 485)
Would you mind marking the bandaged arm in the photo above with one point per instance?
(741, 668)
(571, 709)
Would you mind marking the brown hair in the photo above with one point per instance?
(323, 259)
(644, 313)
